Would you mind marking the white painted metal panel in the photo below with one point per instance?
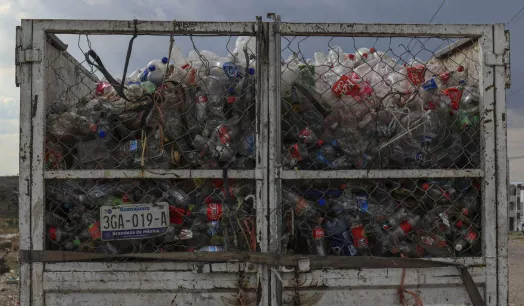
(167, 298)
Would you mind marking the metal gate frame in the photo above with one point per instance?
(493, 57)
(30, 52)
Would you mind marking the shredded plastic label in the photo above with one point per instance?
(345, 86)
(214, 211)
(359, 236)
(202, 99)
(295, 152)
(94, 231)
(223, 134)
(133, 146)
(455, 95)
(318, 233)
(416, 74)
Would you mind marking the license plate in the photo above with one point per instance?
(134, 221)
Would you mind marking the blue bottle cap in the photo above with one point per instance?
(322, 202)
(102, 134)
(152, 68)
(165, 60)
(231, 90)
(462, 82)
(251, 71)
(335, 143)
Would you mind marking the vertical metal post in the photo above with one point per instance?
(500, 47)
(275, 186)
(24, 41)
(37, 163)
(488, 162)
(261, 158)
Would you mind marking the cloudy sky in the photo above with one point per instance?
(113, 49)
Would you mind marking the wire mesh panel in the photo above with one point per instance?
(378, 103)
(150, 216)
(384, 218)
(181, 110)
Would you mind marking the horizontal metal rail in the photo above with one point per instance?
(151, 173)
(378, 174)
(384, 30)
(141, 27)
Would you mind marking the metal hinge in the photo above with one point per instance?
(503, 59)
(29, 56)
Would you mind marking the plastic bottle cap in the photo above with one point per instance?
(372, 50)
(425, 186)
(322, 202)
(251, 71)
(165, 60)
(152, 68)
(52, 233)
(351, 56)
(231, 99)
(364, 55)
(458, 224)
(465, 211)
(77, 242)
(462, 82)
(460, 68)
(93, 127)
(320, 142)
(458, 248)
(125, 199)
(67, 205)
(334, 143)
(102, 134)
(231, 90)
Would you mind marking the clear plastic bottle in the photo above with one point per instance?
(302, 208)
(215, 93)
(466, 238)
(174, 195)
(317, 243)
(339, 236)
(157, 71)
(211, 248)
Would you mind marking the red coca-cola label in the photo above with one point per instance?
(300, 206)
(177, 215)
(294, 150)
(444, 77)
(318, 233)
(359, 236)
(201, 99)
(405, 227)
(471, 236)
(223, 134)
(454, 94)
(416, 74)
(304, 134)
(345, 86)
(214, 212)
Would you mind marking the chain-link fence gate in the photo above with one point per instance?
(297, 141)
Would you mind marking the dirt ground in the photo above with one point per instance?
(516, 269)
(9, 291)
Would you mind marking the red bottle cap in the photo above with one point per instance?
(52, 233)
(218, 183)
(460, 68)
(365, 55)
(125, 199)
(231, 99)
(465, 211)
(425, 186)
(351, 56)
(320, 142)
(458, 224)
(372, 50)
(93, 127)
